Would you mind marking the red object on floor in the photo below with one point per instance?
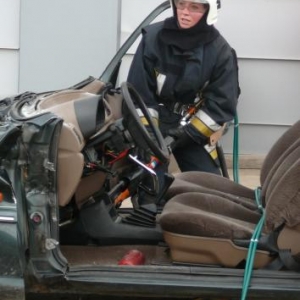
(132, 258)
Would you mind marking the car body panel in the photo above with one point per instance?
(11, 273)
(190, 282)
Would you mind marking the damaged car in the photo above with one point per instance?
(89, 209)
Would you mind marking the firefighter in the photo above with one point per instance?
(187, 74)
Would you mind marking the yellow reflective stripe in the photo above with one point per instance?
(212, 151)
(207, 120)
(214, 154)
(201, 127)
(145, 122)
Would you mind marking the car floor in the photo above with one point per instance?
(154, 255)
(111, 255)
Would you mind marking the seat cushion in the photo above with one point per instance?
(204, 215)
(201, 229)
(211, 184)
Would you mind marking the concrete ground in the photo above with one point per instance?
(248, 177)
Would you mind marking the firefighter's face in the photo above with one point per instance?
(189, 13)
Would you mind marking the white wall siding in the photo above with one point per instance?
(63, 42)
(263, 29)
(9, 24)
(131, 19)
(9, 46)
(265, 34)
(9, 72)
(270, 92)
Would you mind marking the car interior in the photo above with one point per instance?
(115, 192)
(108, 192)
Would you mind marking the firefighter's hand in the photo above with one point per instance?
(145, 153)
(180, 136)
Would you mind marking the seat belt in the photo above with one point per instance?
(288, 260)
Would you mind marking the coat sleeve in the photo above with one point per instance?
(142, 75)
(220, 97)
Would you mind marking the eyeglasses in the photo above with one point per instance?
(190, 6)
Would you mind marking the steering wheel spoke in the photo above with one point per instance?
(154, 143)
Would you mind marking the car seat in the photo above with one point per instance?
(209, 219)
(85, 114)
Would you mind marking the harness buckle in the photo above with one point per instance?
(181, 109)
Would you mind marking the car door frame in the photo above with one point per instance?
(12, 285)
(110, 74)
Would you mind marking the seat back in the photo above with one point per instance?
(85, 115)
(282, 193)
(277, 165)
(70, 164)
(279, 150)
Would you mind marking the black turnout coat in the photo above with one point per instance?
(164, 75)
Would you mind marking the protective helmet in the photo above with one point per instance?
(212, 15)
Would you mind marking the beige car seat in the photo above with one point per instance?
(210, 219)
(85, 115)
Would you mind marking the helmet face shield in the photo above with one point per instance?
(212, 16)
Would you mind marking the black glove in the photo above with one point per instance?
(180, 136)
(144, 152)
(151, 134)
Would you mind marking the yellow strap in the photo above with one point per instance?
(201, 127)
(212, 151)
(213, 154)
(145, 122)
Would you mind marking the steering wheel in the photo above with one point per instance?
(133, 100)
